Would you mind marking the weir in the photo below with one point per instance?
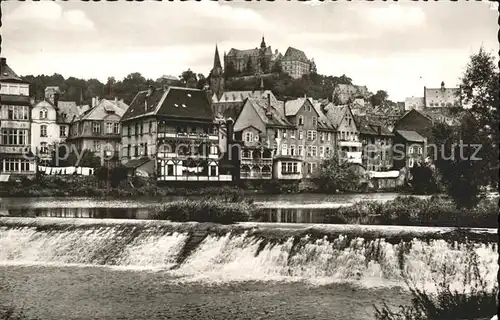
(368, 255)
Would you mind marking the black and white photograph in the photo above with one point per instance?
(264, 160)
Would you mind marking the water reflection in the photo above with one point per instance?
(96, 213)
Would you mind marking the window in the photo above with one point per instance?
(213, 171)
(410, 162)
(342, 135)
(289, 168)
(323, 136)
(292, 134)
(329, 136)
(327, 152)
(150, 127)
(129, 130)
(15, 165)
(62, 131)
(170, 169)
(314, 152)
(136, 150)
(410, 150)
(136, 132)
(43, 114)
(141, 126)
(311, 135)
(17, 112)
(350, 121)
(301, 151)
(248, 136)
(96, 127)
(292, 150)
(109, 128)
(314, 121)
(301, 121)
(145, 149)
(129, 147)
(301, 135)
(44, 149)
(116, 128)
(97, 145)
(43, 130)
(284, 133)
(322, 151)
(284, 149)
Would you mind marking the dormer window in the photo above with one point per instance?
(183, 105)
(176, 105)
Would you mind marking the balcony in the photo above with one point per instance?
(15, 149)
(222, 177)
(352, 144)
(255, 175)
(188, 136)
(256, 162)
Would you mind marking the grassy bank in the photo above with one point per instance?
(412, 211)
(224, 209)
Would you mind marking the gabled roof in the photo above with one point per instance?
(370, 128)
(323, 121)
(410, 136)
(277, 118)
(413, 111)
(295, 54)
(352, 89)
(234, 96)
(174, 102)
(103, 107)
(335, 113)
(293, 106)
(247, 52)
(67, 111)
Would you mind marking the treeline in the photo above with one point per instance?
(82, 91)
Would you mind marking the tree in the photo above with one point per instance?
(423, 180)
(202, 81)
(188, 78)
(467, 157)
(332, 175)
(312, 67)
(230, 71)
(249, 67)
(379, 98)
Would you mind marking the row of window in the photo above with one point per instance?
(170, 170)
(43, 131)
(138, 129)
(111, 127)
(14, 165)
(15, 89)
(348, 136)
(289, 168)
(15, 112)
(14, 137)
(312, 151)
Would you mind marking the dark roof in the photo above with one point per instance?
(7, 74)
(217, 63)
(15, 99)
(370, 128)
(277, 117)
(175, 102)
(135, 163)
(295, 54)
(248, 52)
(186, 103)
(410, 136)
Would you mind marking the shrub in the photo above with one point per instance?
(217, 210)
(477, 302)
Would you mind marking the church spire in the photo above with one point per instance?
(217, 63)
(263, 43)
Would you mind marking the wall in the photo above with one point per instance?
(53, 129)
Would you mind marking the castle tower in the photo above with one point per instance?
(217, 75)
(263, 43)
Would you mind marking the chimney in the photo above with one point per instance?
(56, 99)
(93, 102)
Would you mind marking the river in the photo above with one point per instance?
(298, 208)
(62, 265)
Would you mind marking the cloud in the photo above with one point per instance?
(49, 14)
(395, 16)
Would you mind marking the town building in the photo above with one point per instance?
(377, 145)
(51, 120)
(170, 133)
(417, 103)
(417, 121)
(283, 140)
(408, 149)
(442, 97)
(98, 129)
(295, 63)
(347, 93)
(15, 124)
(250, 61)
(348, 141)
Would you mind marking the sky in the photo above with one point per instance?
(399, 47)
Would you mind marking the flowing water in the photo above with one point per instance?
(74, 268)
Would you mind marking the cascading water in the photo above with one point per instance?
(237, 255)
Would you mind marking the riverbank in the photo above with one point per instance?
(90, 186)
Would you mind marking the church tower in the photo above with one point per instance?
(217, 76)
